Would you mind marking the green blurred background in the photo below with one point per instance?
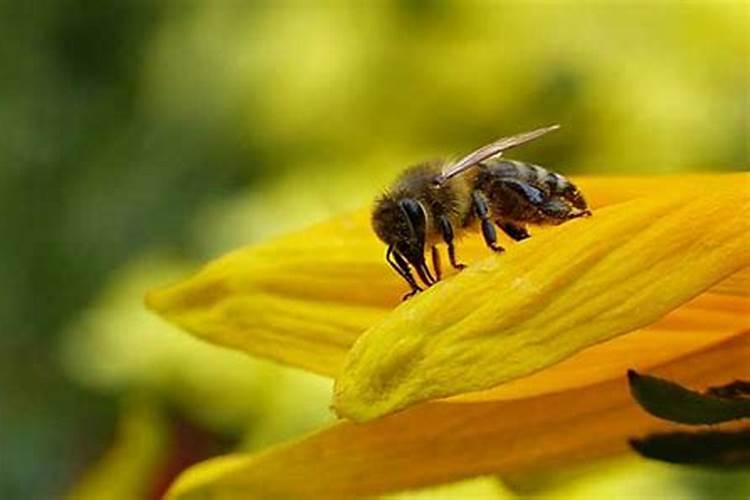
(142, 138)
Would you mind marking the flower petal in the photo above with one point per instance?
(441, 441)
(300, 300)
(297, 300)
(701, 323)
(736, 284)
(547, 298)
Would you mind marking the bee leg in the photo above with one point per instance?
(436, 263)
(483, 212)
(424, 274)
(559, 210)
(447, 232)
(532, 194)
(515, 231)
(402, 268)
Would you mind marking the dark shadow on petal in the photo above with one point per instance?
(710, 448)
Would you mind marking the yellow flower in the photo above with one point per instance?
(516, 341)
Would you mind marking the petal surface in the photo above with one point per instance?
(440, 441)
(548, 297)
(701, 323)
(303, 300)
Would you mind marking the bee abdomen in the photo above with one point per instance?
(551, 182)
(557, 183)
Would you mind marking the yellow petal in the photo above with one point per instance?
(443, 441)
(304, 299)
(736, 284)
(602, 191)
(544, 299)
(299, 300)
(703, 322)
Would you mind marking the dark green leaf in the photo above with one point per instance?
(670, 401)
(737, 389)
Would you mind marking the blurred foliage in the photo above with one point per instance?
(190, 127)
(138, 449)
(119, 347)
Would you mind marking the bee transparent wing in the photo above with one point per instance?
(494, 149)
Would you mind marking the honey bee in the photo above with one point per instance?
(436, 201)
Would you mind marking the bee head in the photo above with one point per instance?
(401, 223)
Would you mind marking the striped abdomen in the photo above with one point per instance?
(551, 182)
(523, 192)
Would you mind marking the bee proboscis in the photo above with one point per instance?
(433, 202)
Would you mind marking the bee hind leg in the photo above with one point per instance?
(446, 230)
(559, 210)
(482, 210)
(515, 231)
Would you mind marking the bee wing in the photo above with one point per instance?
(493, 149)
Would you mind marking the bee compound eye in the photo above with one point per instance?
(414, 213)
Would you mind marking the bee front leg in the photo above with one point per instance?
(402, 268)
(446, 230)
(482, 210)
